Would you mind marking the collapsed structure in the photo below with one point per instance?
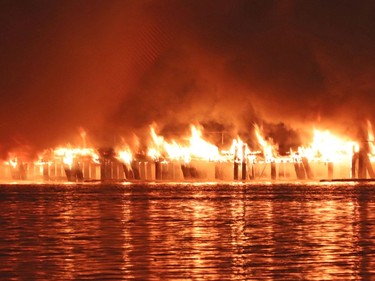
(195, 159)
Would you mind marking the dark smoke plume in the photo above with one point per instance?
(114, 67)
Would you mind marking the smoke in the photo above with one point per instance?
(239, 63)
(114, 67)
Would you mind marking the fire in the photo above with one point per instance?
(13, 162)
(160, 148)
(69, 155)
(185, 157)
(157, 145)
(176, 151)
(200, 148)
(269, 149)
(195, 147)
(125, 156)
(371, 138)
(328, 148)
(239, 151)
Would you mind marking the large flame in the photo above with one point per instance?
(69, 154)
(125, 155)
(328, 148)
(200, 148)
(157, 146)
(13, 162)
(239, 151)
(195, 147)
(323, 147)
(371, 138)
(270, 151)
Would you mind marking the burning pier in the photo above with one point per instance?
(195, 159)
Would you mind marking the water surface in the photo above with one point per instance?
(256, 231)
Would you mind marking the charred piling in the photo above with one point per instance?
(307, 168)
(74, 173)
(273, 170)
(361, 166)
(243, 164)
(300, 171)
(235, 164)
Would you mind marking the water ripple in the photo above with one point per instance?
(257, 231)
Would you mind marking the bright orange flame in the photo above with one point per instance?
(13, 162)
(239, 151)
(200, 148)
(269, 149)
(176, 151)
(196, 147)
(371, 138)
(328, 148)
(324, 146)
(69, 154)
(125, 156)
(155, 151)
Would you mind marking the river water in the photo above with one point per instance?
(255, 231)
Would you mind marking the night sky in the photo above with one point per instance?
(114, 67)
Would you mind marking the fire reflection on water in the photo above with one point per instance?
(186, 231)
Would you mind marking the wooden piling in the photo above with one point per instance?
(235, 170)
(129, 175)
(368, 166)
(354, 166)
(330, 170)
(157, 170)
(243, 166)
(361, 165)
(235, 165)
(300, 171)
(273, 170)
(307, 168)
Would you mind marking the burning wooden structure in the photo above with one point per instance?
(196, 159)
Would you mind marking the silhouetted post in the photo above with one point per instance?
(273, 170)
(252, 171)
(244, 172)
(129, 175)
(135, 169)
(368, 166)
(46, 171)
(185, 171)
(300, 171)
(330, 170)
(306, 166)
(157, 170)
(281, 170)
(361, 165)
(354, 165)
(235, 165)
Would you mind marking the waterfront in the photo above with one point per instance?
(187, 231)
